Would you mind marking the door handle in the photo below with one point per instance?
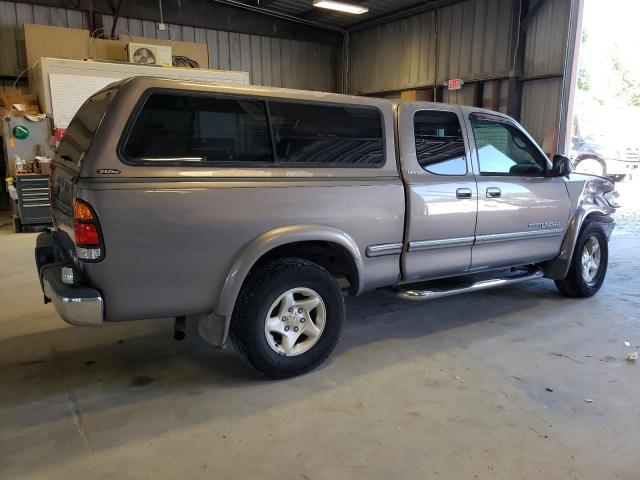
(463, 193)
(493, 192)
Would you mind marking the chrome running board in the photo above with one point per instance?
(433, 293)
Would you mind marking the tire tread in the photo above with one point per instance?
(256, 284)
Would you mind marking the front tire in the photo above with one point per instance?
(288, 317)
(588, 264)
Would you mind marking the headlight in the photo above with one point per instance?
(612, 198)
(589, 191)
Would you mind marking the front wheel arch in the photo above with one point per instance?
(575, 284)
(558, 268)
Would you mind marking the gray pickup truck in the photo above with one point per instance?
(253, 211)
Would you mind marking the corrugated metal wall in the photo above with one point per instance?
(473, 43)
(270, 61)
(545, 55)
(393, 56)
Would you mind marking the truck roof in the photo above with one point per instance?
(142, 82)
(255, 90)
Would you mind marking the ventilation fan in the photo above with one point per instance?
(144, 54)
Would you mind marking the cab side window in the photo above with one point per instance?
(503, 149)
(439, 143)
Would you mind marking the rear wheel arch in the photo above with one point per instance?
(326, 246)
(332, 256)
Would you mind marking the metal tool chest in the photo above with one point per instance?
(33, 199)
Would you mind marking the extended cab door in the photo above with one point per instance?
(522, 213)
(440, 189)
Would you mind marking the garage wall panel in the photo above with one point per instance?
(545, 51)
(270, 61)
(547, 39)
(393, 56)
(473, 43)
(464, 96)
(541, 106)
(305, 65)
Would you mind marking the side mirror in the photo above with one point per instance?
(562, 166)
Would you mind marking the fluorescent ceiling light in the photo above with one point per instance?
(340, 6)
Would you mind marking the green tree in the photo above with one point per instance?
(629, 87)
(583, 79)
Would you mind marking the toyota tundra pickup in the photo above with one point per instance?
(253, 211)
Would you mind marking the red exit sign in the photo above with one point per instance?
(455, 84)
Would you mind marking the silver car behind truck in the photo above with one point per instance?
(253, 210)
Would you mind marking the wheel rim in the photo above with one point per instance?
(295, 321)
(590, 166)
(591, 257)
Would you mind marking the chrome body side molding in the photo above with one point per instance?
(383, 249)
(444, 243)
(507, 237)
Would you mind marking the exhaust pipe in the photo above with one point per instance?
(179, 329)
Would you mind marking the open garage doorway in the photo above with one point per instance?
(606, 109)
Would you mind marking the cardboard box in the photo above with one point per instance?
(59, 42)
(76, 44)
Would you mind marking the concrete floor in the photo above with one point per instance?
(454, 388)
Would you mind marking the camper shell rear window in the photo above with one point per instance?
(78, 135)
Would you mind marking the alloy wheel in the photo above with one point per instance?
(590, 260)
(295, 321)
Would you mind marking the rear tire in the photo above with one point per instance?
(277, 298)
(588, 263)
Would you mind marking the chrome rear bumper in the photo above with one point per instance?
(76, 305)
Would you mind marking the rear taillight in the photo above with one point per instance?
(88, 238)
